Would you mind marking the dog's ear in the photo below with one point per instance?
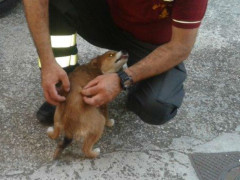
(94, 62)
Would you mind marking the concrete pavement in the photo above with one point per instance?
(208, 120)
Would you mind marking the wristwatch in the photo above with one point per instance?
(125, 80)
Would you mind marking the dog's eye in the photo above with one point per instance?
(110, 55)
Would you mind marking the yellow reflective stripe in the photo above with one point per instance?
(67, 60)
(73, 60)
(64, 61)
(39, 63)
(63, 41)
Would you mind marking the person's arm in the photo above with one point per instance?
(106, 87)
(166, 56)
(51, 73)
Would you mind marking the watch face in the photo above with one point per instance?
(127, 83)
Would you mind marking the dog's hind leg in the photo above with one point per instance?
(54, 133)
(88, 143)
(61, 146)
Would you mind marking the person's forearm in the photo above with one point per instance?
(38, 21)
(166, 56)
(160, 60)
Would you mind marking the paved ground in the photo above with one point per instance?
(207, 122)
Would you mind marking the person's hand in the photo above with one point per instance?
(102, 89)
(51, 75)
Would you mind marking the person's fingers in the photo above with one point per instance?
(91, 91)
(94, 101)
(65, 82)
(49, 100)
(54, 95)
(92, 83)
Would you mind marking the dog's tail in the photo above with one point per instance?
(61, 146)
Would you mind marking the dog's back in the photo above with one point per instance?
(77, 115)
(76, 119)
(80, 118)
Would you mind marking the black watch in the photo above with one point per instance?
(125, 80)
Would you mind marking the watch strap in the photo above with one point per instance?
(124, 78)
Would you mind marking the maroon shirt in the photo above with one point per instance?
(151, 20)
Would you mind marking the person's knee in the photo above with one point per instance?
(157, 113)
(153, 111)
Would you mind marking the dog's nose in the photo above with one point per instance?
(124, 52)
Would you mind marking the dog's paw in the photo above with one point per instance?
(93, 153)
(110, 122)
(97, 151)
(53, 132)
(50, 130)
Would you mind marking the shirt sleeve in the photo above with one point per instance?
(188, 14)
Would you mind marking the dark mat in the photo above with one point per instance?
(216, 166)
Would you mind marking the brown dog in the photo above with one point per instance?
(76, 119)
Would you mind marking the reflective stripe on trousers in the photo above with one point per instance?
(63, 41)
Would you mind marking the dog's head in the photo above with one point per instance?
(111, 61)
